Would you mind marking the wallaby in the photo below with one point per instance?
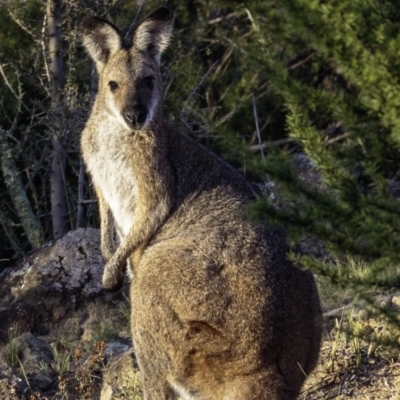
(218, 312)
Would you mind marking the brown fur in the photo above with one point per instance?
(217, 310)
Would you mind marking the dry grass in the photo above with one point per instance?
(354, 369)
(360, 352)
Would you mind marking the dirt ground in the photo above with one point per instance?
(340, 376)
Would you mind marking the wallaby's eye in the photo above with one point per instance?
(113, 86)
(149, 81)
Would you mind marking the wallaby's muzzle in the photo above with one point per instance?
(135, 116)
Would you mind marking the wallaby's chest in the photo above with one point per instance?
(110, 165)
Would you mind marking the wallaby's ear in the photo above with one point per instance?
(101, 39)
(154, 33)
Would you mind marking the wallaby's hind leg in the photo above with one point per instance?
(152, 370)
(196, 324)
(156, 389)
(265, 385)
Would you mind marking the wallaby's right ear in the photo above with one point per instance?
(154, 33)
(101, 39)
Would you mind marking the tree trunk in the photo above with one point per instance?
(4, 223)
(57, 178)
(81, 223)
(82, 203)
(18, 195)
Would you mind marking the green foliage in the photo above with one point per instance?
(335, 64)
(61, 361)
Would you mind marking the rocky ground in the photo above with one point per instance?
(62, 337)
(57, 326)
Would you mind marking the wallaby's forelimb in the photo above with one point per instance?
(106, 227)
(155, 201)
(114, 270)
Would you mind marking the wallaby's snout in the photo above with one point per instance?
(135, 116)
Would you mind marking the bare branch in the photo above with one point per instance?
(80, 219)
(46, 89)
(43, 42)
(14, 245)
(88, 201)
(257, 128)
(279, 142)
(201, 81)
(20, 24)
(19, 99)
(225, 60)
(301, 62)
(337, 138)
(225, 118)
(129, 34)
(217, 20)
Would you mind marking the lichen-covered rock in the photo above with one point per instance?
(114, 349)
(121, 380)
(56, 290)
(33, 355)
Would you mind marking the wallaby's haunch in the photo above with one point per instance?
(217, 310)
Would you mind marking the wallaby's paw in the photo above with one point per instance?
(112, 285)
(107, 253)
(113, 278)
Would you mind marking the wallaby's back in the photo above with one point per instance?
(217, 310)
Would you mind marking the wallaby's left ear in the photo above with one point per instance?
(154, 33)
(101, 39)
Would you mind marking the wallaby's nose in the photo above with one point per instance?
(135, 116)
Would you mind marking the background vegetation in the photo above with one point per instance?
(259, 82)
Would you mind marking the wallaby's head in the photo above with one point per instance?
(130, 88)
